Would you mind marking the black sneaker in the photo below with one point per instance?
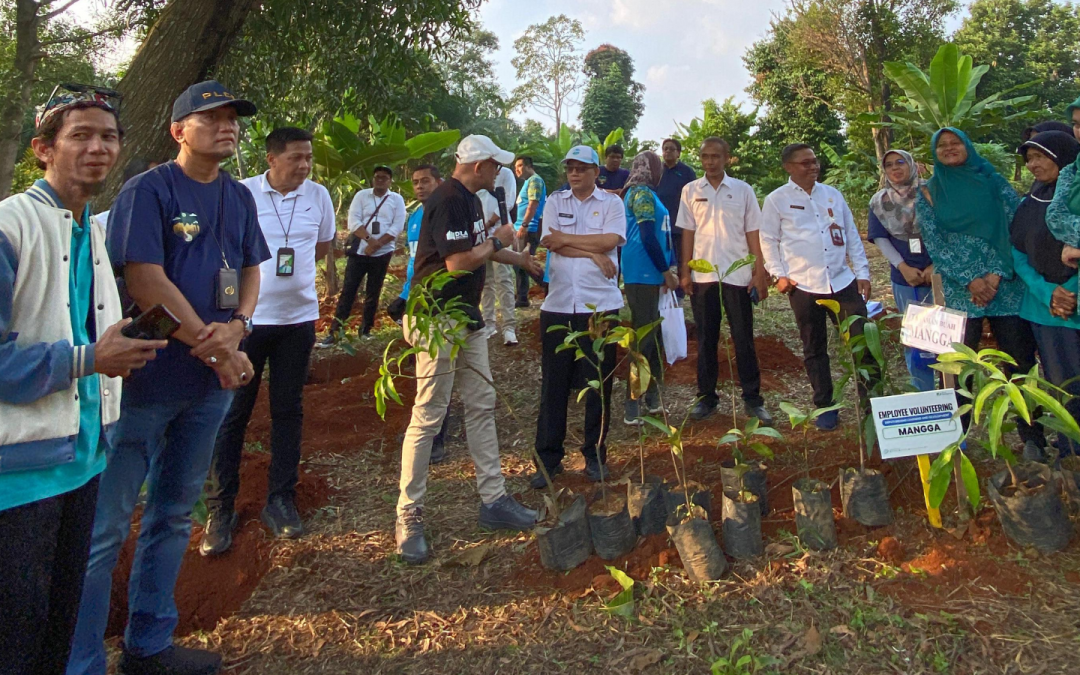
(217, 535)
(593, 469)
(538, 482)
(329, 341)
(281, 517)
(760, 412)
(409, 533)
(522, 304)
(702, 409)
(632, 413)
(505, 513)
(652, 402)
(175, 660)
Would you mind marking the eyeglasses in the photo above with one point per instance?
(895, 163)
(66, 94)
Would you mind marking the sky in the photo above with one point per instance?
(684, 51)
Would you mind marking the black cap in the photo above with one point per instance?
(207, 96)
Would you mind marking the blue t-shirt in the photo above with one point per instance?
(612, 180)
(534, 190)
(648, 235)
(920, 261)
(162, 217)
(412, 236)
(670, 188)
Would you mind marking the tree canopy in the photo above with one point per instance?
(612, 98)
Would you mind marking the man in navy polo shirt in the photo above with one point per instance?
(184, 235)
(612, 176)
(675, 177)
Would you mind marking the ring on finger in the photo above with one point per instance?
(213, 359)
(243, 376)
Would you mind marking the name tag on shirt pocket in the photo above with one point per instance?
(797, 208)
(566, 220)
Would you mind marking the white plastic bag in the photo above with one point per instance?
(673, 327)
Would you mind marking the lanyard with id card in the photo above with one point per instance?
(835, 231)
(285, 260)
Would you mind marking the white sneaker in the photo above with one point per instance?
(488, 332)
(509, 337)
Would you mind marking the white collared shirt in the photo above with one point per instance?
(284, 301)
(799, 243)
(720, 218)
(391, 218)
(575, 283)
(508, 182)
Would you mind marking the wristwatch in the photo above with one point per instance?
(497, 243)
(246, 320)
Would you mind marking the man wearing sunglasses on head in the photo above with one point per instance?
(61, 359)
(184, 235)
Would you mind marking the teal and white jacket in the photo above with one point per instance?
(39, 366)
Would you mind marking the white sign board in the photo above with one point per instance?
(932, 328)
(915, 424)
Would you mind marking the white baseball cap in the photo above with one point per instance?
(477, 148)
(584, 154)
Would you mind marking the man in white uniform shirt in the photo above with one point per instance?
(808, 236)
(296, 217)
(499, 279)
(376, 218)
(720, 218)
(582, 229)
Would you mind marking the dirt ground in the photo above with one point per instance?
(905, 598)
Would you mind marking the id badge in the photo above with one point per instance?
(374, 227)
(837, 235)
(915, 244)
(228, 288)
(286, 260)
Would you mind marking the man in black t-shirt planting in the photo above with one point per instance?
(453, 237)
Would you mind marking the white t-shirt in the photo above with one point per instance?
(307, 215)
(575, 283)
(491, 209)
(391, 218)
(720, 218)
(508, 182)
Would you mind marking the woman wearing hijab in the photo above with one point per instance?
(893, 227)
(647, 266)
(964, 212)
(1050, 301)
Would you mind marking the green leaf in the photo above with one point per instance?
(1018, 402)
(873, 341)
(768, 432)
(971, 481)
(993, 426)
(733, 436)
(983, 397)
(831, 305)
(623, 603)
(762, 449)
(1054, 407)
(702, 267)
(939, 486)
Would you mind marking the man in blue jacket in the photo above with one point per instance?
(61, 359)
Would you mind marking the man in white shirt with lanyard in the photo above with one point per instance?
(296, 217)
(582, 230)
(376, 218)
(808, 235)
(720, 218)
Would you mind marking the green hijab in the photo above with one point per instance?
(967, 199)
(1074, 190)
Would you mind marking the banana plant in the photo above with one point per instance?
(944, 96)
(997, 400)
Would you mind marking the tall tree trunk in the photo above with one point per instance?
(18, 87)
(188, 40)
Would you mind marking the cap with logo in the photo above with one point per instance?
(477, 148)
(582, 153)
(207, 96)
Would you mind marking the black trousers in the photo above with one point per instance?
(644, 303)
(357, 267)
(44, 546)
(523, 277)
(813, 320)
(561, 375)
(740, 316)
(676, 244)
(1014, 337)
(287, 349)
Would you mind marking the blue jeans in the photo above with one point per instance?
(923, 377)
(1059, 351)
(168, 446)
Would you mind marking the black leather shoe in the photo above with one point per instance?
(593, 468)
(702, 409)
(760, 412)
(217, 535)
(438, 451)
(175, 660)
(281, 517)
(409, 533)
(538, 482)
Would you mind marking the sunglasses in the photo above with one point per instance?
(66, 94)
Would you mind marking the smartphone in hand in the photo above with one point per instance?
(156, 323)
